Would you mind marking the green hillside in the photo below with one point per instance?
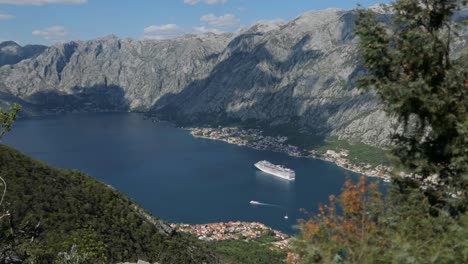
(53, 209)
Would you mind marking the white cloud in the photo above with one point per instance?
(168, 31)
(224, 21)
(4, 16)
(208, 2)
(160, 28)
(53, 34)
(42, 2)
(203, 30)
(162, 31)
(278, 21)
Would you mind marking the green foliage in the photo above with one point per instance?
(7, 118)
(306, 141)
(357, 152)
(405, 230)
(73, 257)
(238, 251)
(411, 67)
(53, 209)
(87, 243)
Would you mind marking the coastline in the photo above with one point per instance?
(234, 230)
(254, 138)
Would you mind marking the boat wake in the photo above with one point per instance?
(254, 203)
(266, 204)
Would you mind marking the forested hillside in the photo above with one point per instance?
(50, 210)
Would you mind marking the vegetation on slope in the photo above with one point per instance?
(50, 210)
(243, 252)
(401, 228)
(424, 219)
(357, 152)
(412, 67)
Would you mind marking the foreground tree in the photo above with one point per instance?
(7, 118)
(331, 232)
(412, 66)
(360, 226)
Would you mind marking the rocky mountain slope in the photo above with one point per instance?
(300, 73)
(12, 53)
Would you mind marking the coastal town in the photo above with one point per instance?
(254, 138)
(237, 230)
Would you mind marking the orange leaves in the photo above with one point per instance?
(356, 198)
(311, 229)
(292, 258)
(354, 219)
(359, 202)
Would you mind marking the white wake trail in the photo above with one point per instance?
(254, 203)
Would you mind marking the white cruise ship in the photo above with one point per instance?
(276, 170)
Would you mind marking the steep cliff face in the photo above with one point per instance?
(301, 72)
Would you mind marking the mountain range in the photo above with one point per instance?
(299, 74)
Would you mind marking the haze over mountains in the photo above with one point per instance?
(12, 53)
(300, 73)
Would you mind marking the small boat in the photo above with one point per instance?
(286, 217)
(254, 202)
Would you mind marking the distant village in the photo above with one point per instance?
(254, 138)
(246, 231)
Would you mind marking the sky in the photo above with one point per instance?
(51, 21)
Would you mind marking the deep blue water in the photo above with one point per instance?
(174, 175)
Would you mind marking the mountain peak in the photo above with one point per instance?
(12, 53)
(318, 18)
(381, 8)
(8, 43)
(110, 37)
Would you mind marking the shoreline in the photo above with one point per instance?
(253, 138)
(234, 230)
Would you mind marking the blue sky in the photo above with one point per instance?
(50, 21)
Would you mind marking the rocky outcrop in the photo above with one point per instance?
(300, 73)
(138, 262)
(12, 53)
(162, 227)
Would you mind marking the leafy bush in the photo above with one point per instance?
(361, 227)
(238, 251)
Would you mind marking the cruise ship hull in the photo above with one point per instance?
(274, 173)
